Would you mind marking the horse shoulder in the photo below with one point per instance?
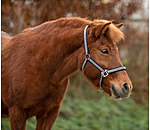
(5, 38)
(5, 35)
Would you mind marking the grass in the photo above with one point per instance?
(86, 109)
(77, 114)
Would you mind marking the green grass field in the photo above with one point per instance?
(86, 109)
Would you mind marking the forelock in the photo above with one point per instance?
(113, 33)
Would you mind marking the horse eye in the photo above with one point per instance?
(104, 51)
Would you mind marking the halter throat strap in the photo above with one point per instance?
(104, 72)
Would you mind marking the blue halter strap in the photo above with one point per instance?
(104, 72)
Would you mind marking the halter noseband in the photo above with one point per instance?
(104, 72)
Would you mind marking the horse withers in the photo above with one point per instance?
(36, 65)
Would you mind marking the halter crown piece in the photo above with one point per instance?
(104, 72)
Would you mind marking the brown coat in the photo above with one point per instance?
(36, 65)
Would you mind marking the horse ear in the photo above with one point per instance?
(119, 25)
(101, 29)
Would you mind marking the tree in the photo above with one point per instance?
(20, 14)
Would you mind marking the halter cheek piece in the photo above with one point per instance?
(104, 72)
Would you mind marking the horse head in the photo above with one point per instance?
(101, 38)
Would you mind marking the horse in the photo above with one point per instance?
(36, 65)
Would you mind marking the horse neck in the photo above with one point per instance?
(70, 48)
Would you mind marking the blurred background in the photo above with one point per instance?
(83, 107)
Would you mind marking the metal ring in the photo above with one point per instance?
(105, 73)
(100, 89)
(88, 55)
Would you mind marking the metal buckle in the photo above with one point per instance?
(105, 73)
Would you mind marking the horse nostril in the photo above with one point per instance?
(125, 87)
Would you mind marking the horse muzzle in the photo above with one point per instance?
(123, 92)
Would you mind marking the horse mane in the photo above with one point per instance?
(113, 33)
(25, 30)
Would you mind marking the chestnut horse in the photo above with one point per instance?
(37, 63)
